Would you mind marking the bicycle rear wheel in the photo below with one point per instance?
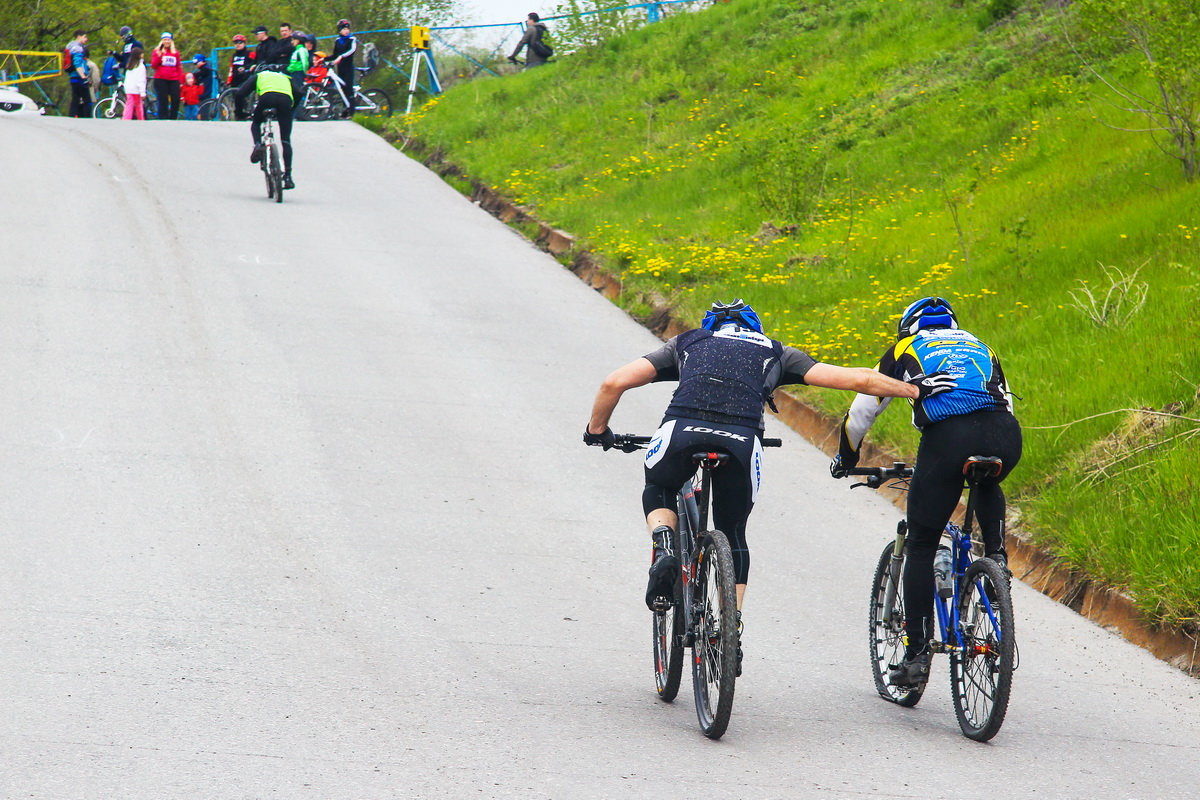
(276, 169)
(378, 103)
(886, 632)
(714, 649)
(668, 645)
(981, 674)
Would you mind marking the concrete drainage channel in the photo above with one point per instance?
(1031, 564)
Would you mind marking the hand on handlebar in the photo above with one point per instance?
(606, 439)
(836, 468)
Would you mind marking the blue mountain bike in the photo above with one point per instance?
(974, 612)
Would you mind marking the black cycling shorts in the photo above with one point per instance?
(735, 483)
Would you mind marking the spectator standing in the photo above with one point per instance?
(81, 87)
(203, 75)
(135, 85)
(241, 65)
(264, 51)
(191, 93)
(283, 51)
(297, 66)
(128, 43)
(342, 59)
(536, 49)
(168, 75)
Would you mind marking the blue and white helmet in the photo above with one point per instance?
(735, 313)
(928, 312)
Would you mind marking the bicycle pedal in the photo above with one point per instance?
(661, 606)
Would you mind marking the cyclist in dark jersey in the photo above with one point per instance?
(727, 369)
(975, 418)
(274, 94)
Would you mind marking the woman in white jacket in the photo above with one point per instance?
(135, 86)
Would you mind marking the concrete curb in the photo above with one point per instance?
(1030, 563)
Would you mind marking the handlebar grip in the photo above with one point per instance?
(772, 442)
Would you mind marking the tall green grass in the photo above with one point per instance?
(831, 162)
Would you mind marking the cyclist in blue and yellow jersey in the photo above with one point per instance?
(975, 418)
(274, 93)
(726, 369)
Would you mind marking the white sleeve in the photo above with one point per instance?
(861, 416)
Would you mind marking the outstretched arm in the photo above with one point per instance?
(634, 374)
(861, 380)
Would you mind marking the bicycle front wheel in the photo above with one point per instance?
(108, 108)
(714, 648)
(886, 630)
(981, 673)
(377, 104)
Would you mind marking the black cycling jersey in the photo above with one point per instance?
(725, 376)
(241, 64)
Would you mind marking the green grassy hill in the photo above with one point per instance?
(830, 161)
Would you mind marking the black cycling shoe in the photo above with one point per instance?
(288, 183)
(1002, 560)
(912, 672)
(660, 589)
(256, 154)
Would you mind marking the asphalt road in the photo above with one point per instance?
(294, 505)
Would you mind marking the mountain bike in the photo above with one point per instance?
(271, 163)
(329, 99)
(973, 605)
(702, 614)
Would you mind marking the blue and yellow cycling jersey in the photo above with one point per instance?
(971, 363)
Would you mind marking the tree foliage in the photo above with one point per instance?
(1165, 37)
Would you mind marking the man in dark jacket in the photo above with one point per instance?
(267, 49)
(537, 51)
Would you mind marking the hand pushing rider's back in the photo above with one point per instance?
(973, 419)
(727, 370)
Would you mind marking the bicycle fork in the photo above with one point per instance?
(894, 569)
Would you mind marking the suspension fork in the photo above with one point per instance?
(894, 567)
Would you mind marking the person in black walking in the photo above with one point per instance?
(537, 52)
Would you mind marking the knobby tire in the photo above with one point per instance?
(276, 172)
(886, 640)
(981, 677)
(380, 100)
(668, 648)
(714, 650)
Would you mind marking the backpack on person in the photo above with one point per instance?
(111, 73)
(67, 60)
(540, 47)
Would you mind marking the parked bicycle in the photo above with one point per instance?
(113, 106)
(329, 99)
(703, 612)
(272, 162)
(973, 606)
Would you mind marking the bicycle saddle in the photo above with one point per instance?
(980, 467)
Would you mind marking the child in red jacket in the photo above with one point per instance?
(191, 91)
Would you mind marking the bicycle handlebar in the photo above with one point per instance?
(875, 476)
(630, 442)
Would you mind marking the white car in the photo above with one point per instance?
(13, 102)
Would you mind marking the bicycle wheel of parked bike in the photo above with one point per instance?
(887, 638)
(378, 103)
(981, 675)
(226, 106)
(668, 646)
(714, 662)
(109, 108)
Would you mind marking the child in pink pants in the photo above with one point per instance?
(135, 86)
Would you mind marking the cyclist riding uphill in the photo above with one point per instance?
(726, 369)
(974, 418)
(274, 93)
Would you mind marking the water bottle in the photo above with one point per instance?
(942, 572)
